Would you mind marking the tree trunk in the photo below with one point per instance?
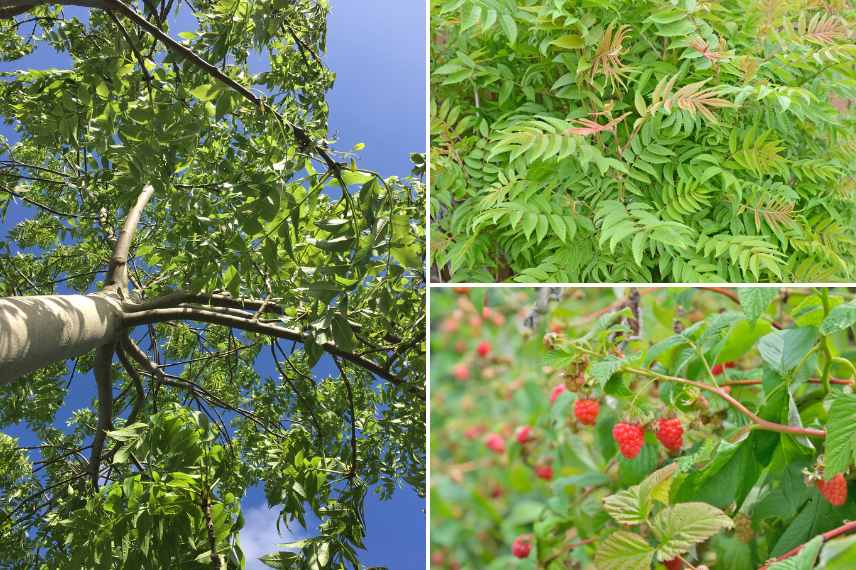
(39, 330)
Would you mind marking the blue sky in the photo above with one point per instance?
(377, 49)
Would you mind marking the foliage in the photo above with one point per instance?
(728, 123)
(761, 382)
(255, 218)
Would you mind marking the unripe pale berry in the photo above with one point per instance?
(495, 443)
(461, 372)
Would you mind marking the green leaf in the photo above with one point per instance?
(841, 435)
(625, 507)
(755, 300)
(681, 526)
(602, 370)
(624, 551)
(841, 317)
(343, 334)
(509, 27)
(802, 561)
(570, 41)
(103, 90)
(206, 91)
(839, 554)
(784, 349)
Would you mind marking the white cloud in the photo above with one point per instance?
(259, 535)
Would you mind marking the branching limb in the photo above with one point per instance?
(104, 382)
(352, 471)
(117, 272)
(247, 324)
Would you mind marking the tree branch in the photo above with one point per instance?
(353, 469)
(16, 7)
(117, 272)
(104, 382)
(247, 324)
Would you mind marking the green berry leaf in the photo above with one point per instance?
(680, 527)
(624, 551)
(784, 349)
(841, 440)
(755, 300)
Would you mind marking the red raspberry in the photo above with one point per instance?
(670, 433)
(461, 290)
(487, 312)
(544, 472)
(718, 369)
(629, 437)
(673, 564)
(833, 490)
(557, 391)
(483, 348)
(495, 443)
(473, 432)
(496, 492)
(555, 327)
(523, 434)
(461, 372)
(586, 411)
(521, 547)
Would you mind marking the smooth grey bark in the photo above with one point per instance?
(39, 330)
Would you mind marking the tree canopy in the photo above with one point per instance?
(197, 208)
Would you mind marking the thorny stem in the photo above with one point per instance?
(760, 423)
(827, 352)
(843, 529)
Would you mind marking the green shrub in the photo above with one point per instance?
(609, 140)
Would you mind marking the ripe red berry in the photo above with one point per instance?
(462, 290)
(673, 564)
(629, 437)
(718, 369)
(461, 372)
(521, 547)
(670, 433)
(544, 472)
(523, 434)
(487, 312)
(586, 411)
(557, 391)
(833, 490)
(483, 348)
(495, 443)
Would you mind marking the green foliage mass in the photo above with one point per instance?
(757, 434)
(643, 141)
(258, 218)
